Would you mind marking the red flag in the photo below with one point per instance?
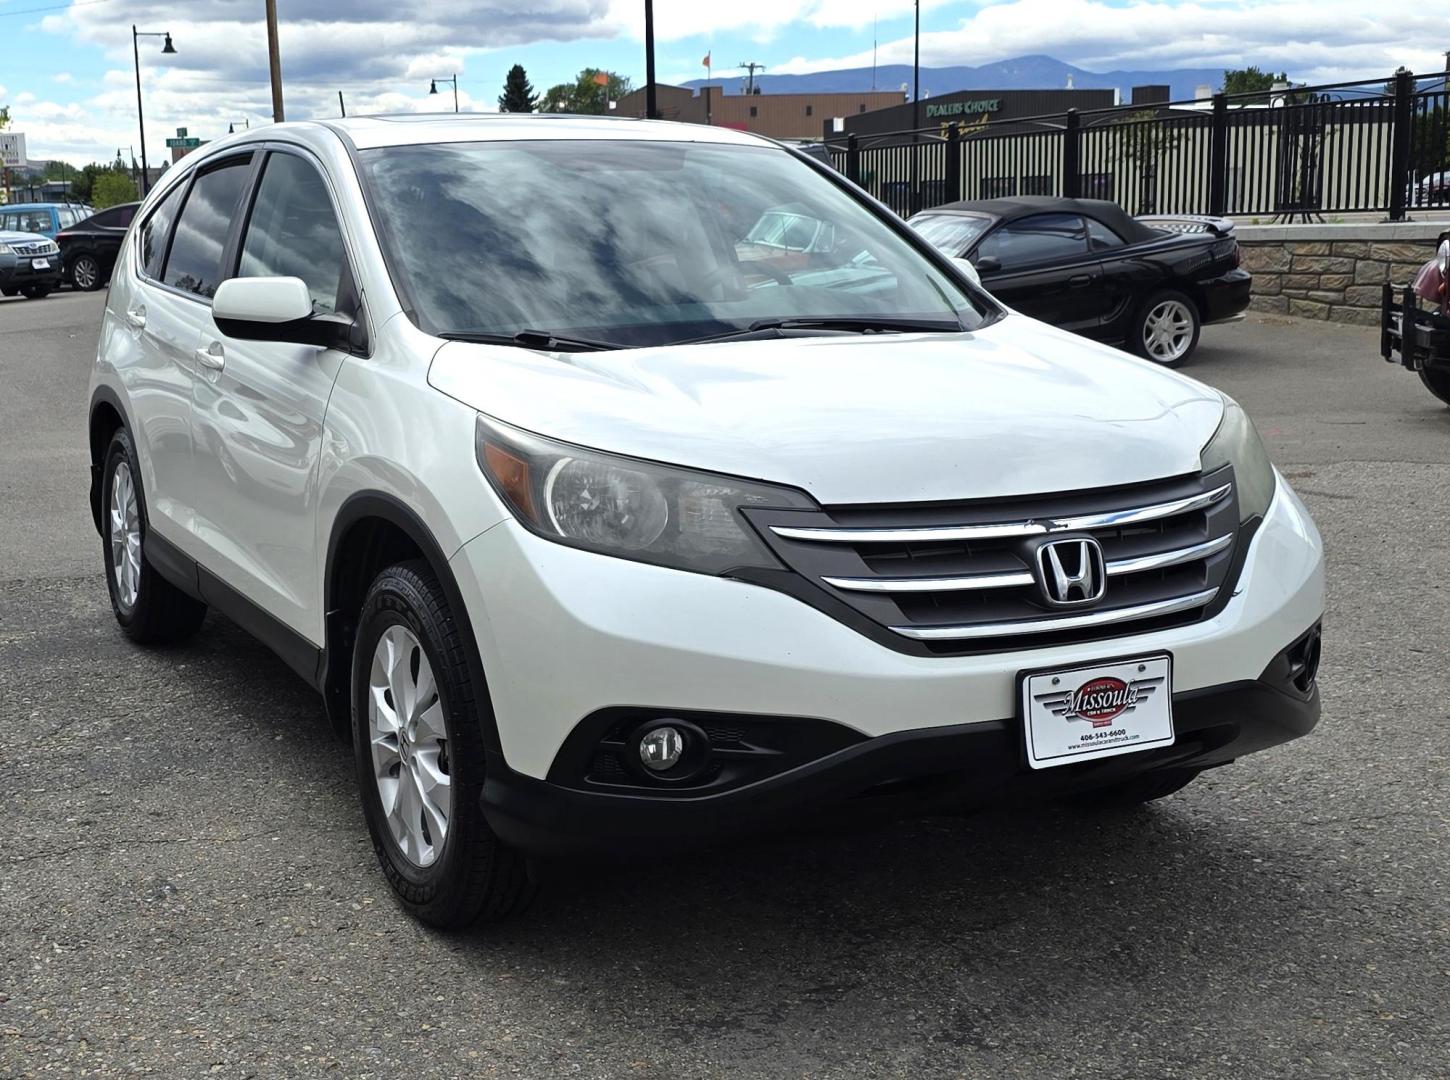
(601, 78)
(706, 62)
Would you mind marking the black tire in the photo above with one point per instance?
(85, 273)
(160, 613)
(1437, 382)
(10, 292)
(36, 292)
(1137, 790)
(473, 877)
(1138, 336)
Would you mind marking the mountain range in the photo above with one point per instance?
(1021, 73)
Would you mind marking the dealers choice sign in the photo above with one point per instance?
(963, 108)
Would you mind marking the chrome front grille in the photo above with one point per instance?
(35, 247)
(961, 578)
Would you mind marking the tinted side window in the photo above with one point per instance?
(67, 217)
(1040, 238)
(195, 262)
(153, 234)
(118, 217)
(1100, 237)
(293, 231)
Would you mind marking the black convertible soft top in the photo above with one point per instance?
(1109, 213)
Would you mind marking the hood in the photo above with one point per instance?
(1015, 408)
(9, 237)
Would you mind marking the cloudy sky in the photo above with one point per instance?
(67, 68)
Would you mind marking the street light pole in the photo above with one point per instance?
(916, 117)
(136, 35)
(433, 88)
(651, 112)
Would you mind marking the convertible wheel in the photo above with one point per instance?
(420, 758)
(1166, 329)
(1437, 381)
(85, 273)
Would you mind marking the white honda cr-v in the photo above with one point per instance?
(623, 484)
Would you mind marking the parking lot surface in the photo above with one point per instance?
(186, 887)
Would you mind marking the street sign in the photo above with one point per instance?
(184, 144)
(12, 149)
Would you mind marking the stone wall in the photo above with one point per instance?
(1333, 272)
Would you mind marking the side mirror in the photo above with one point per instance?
(988, 264)
(277, 309)
(965, 266)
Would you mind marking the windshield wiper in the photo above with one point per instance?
(532, 339)
(846, 324)
(864, 324)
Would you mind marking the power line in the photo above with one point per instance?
(53, 7)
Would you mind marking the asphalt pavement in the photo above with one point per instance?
(186, 888)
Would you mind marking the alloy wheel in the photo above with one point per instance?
(85, 272)
(125, 537)
(409, 746)
(1168, 331)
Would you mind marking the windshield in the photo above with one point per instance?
(951, 234)
(638, 243)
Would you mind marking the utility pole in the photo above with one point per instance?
(752, 67)
(274, 61)
(651, 110)
(342, 104)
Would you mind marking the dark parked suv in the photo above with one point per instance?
(29, 264)
(88, 249)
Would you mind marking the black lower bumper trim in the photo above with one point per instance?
(918, 770)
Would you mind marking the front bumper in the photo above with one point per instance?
(921, 770)
(19, 271)
(1227, 296)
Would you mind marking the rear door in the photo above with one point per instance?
(1044, 269)
(258, 408)
(179, 263)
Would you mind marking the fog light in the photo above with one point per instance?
(661, 748)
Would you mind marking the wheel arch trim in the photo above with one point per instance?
(335, 677)
(103, 395)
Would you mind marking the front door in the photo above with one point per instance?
(258, 406)
(1042, 267)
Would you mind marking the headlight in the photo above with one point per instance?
(6, 249)
(1442, 259)
(1236, 443)
(626, 507)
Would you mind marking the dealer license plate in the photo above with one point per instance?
(40, 264)
(1097, 711)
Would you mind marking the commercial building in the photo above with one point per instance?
(966, 109)
(779, 116)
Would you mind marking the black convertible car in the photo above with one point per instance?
(1087, 266)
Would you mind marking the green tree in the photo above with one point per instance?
(518, 95)
(1143, 138)
(4, 117)
(1251, 80)
(110, 188)
(588, 93)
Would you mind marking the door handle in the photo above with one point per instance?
(137, 318)
(212, 357)
(1077, 281)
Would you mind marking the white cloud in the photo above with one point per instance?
(61, 77)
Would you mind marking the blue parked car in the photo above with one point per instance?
(44, 218)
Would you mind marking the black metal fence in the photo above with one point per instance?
(1378, 146)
